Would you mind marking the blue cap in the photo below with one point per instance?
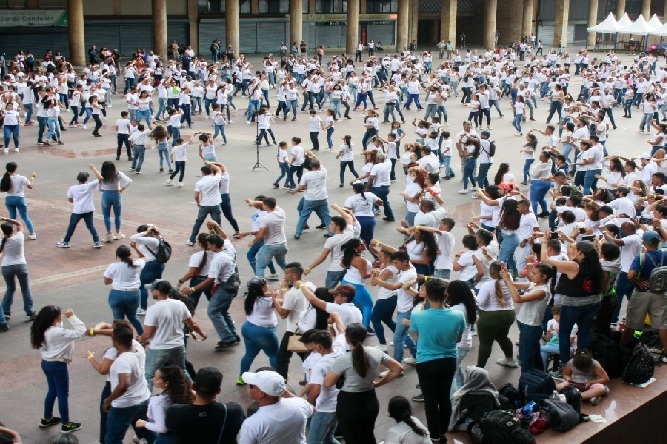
(651, 237)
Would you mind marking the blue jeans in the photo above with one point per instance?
(482, 172)
(538, 193)
(529, 347)
(546, 351)
(583, 317)
(646, 121)
(156, 358)
(186, 115)
(179, 169)
(442, 274)
(57, 378)
(333, 278)
(20, 271)
(567, 148)
(367, 228)
(517, 122)
(590, 181)
(469, 172)
(258, 339)
(508, 244)
(526, 168)
(446, 164)
(138, 157)
(163, 152)
(624, 287)
(347, 164)
(146, 115)
(226, 207)
(111, 199)
(363, 301)
(284, 172)
(322, 427)
(267, 253)
(218, 312)
(12, 131)
(17, 203)
(320, 207)
(383, 193)
(457, 383)
(330, 132)
(74, 220)
(252, 257)
(220, 129)
(294, 169)
(161, 107)
(383, 312)
(124, 304)
(28, 107)
(204, 211)
(118, 421)
(149, 274)
(401, 336)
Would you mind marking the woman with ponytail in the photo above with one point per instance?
(362, 206)
(198, 272)
(408, 429)
(496, 316)
(358, 270)
(14, 185)
(112, 185)
(14, 265)
(357, 405)
(460, 297)
(124, 278)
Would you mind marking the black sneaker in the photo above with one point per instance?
(70, 427)
(44, 423)
(418, 398)
(4, 327)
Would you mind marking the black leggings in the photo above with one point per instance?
(435, 378)
(180, 168)
(357, 412)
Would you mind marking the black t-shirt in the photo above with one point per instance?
(202, 423)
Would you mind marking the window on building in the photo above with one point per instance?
(52, 4)
(218, 6)
(305, 5)
(16, 4)
(274, 6)
(381, 6)
(331, 7)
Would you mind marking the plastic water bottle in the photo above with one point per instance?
(555, 396)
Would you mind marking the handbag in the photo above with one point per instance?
(295, 345)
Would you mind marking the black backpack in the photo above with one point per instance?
(509, 397)
(163, 253)
(573, 397)
(640, 367)
(561, 415)
(492, 149)
(535, 385)
(608, 354)
(499, 427)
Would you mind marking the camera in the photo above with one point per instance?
(645, 220)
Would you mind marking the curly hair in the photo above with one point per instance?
(509, 215)
(177, 385)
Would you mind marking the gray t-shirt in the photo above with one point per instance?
(353, 382)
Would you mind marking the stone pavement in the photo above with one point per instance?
(73, 277)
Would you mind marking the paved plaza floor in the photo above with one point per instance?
(73, 277)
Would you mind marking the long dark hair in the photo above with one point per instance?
(349, 251)
(254, 291)
(400, 410)
(42, 322)
(509, 215)
(359, 189)
(203, 241)
(178, 386)
(494, 273)
(109, 172)
(6, 182)
(7, 231)
(593, 269)
(458, 292)
(321, 316)
(356, 335)
(478, 147)
(502, 170)
(124, 254)
(430, 245)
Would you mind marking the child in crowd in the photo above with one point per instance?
(283, 163)
(551, 336)
(315, 127)
(219, 123)
(586, 375)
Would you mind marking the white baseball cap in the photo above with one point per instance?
(269, 382)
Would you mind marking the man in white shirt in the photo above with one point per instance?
(208, 199)
(315, 198)
(343, 231)
(527, 226)
(163, 328)
(272, 231)
(138, 143)
(81, 196)
(129, 390)
(378, 184)
(282, 416)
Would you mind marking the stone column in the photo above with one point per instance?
(646, 9)
(352, 37)
(620, 9)
(232, 10)
(490, 24)
(193, 22)
(448, 21)
(403, 25)
(77, 49)
(664, 13)
(32, 4)
(527, 28)
(159, 9)
(295, 22)
(560, 27)
(592, 21)
(414, 21)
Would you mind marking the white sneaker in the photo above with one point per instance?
(391, 344)
(507, 362)
(272, 277)
(33, 236)
(463, 191)
(84, 126)
(141, 312)
(180, 184)
(475, 196)
(383, 347)
(489, 128)
(6, 151)
(410, 361)
(137, 440)
(170, 182)
(16, 150)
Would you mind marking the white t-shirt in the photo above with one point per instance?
(381, 172)
(209, 189)
(404, 301)
(531, 313)
(443, 260)
(275, 226)
(131, 363)
(82, 195)
(326, 401)
(315, 183)
(334, 243)
(402, 433)
(280, 423)
(348, 312)
(13, 253)
(168, 316)
(361, 206)
(632, 246)
(18, 184)
(263, 314)
(295, 302)
(486, 297)
(299, 154)
(125, 277)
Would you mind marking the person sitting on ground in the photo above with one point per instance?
(586, 375)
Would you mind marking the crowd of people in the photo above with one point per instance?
(561, 280)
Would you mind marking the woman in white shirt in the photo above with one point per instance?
(11, 122)
(112, 185)
(147, 242)
(408, 429)
(124, 277)
(56, 345)
(540, 185)
(14, 185)
(259, 329)
(361, 205)
(346, 156)
(264, 120)
(460, 297)
(198, 269)
(145, 108)
(358, 270)
(14, 266)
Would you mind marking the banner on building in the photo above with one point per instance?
(11, 18)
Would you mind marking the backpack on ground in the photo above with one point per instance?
(640, 367)
(535, 385)
(658, 277)
(561, 415)
(163, 253)
(608, 354)
(509, 397)
(499, 427)
(573, 397)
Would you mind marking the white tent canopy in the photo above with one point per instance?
(607, 26)
(661, 31)
(639, 27)
(624, 21)
(654, 22)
